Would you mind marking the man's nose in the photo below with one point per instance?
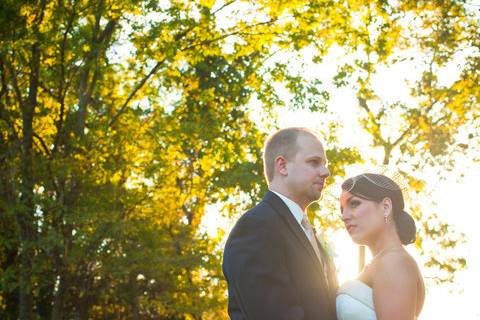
(325, 172)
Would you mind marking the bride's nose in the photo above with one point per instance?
(345, 216)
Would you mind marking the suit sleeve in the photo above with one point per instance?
(255, 268)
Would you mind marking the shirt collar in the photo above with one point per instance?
(293, 206)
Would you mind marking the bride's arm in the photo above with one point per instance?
(394, 283)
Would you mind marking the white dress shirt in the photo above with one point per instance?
(294, 209)
(299, 215)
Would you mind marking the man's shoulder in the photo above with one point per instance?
(261, 212)
(264, 213)
(263, 217)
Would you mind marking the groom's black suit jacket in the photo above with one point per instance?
(272, 270)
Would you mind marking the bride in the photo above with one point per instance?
(391, 286)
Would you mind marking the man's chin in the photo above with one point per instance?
(318, 188)
(315, 196)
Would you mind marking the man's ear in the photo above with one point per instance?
(281, 165)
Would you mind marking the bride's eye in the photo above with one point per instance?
(354, 203)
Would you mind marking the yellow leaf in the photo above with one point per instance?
(207, 3)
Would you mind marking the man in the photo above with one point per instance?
(274, 265)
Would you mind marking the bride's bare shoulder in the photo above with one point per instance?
(397, 286)
(396, 290)
(397, 265)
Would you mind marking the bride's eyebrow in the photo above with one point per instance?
(347, 202)
(352, 198)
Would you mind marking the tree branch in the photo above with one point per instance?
(135, 90)
(62, 86)
(4, 92)
(206, 42)
(402, 136)
(43, 144)
(15, 83)
(224, 6)
(159, 64)
(85, 88)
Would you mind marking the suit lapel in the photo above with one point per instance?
(282, 209)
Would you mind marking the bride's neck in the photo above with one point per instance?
(385, 242)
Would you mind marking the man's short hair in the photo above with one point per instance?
(282, 143)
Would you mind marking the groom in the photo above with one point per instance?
(274, 265)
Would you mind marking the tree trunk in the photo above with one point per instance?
(25, 217)
(64, 278)
(134, 297)
(57, 309)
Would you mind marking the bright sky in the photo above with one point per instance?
(453, 196)
(454, 205)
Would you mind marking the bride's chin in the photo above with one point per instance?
(358, 240)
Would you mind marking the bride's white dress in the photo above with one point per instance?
(355, 301)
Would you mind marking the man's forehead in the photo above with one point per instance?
(311, 143)
(315, 151)
(308, 137)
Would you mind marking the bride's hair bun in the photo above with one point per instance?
(406, 229)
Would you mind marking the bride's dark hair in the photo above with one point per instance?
(376, 187)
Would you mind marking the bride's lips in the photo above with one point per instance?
(350, 227)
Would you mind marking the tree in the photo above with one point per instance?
(108, 158)
(121, 121)
(424, 131)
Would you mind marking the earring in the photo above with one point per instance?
(386, 218)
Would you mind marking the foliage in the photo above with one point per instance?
(439, 120)
(121, 121)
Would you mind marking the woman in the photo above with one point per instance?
(391, 286)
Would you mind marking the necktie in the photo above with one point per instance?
(313, 241)
(311, 236)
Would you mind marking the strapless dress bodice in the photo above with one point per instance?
(355, 301)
